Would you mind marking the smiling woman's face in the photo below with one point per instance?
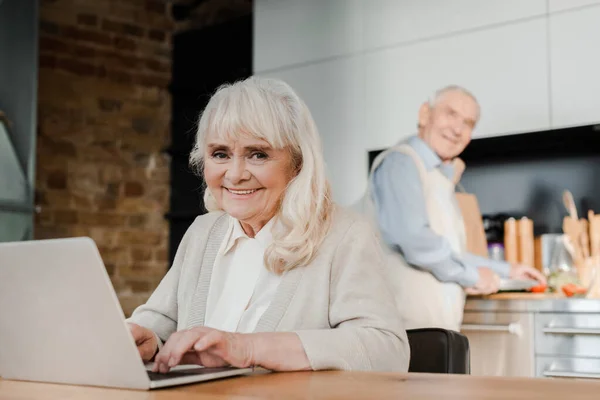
(247, 177)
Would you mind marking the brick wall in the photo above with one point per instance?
(104, 114)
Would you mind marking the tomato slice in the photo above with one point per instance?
(571, 289)
(538, 289)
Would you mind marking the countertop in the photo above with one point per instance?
(532, 302)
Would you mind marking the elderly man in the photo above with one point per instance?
(412, 190)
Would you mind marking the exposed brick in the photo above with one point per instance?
(139, 237)
(122, 28)
(155, 34)
(47, 61)
(104, 202)
(152, 81)
(112, 26)
(161, 255)
(122, 43)
(87, 19)
(140, 285)
(76, 67)
(103, 127)
(72, 32)
(155, 6)
(65, 217)
(133, 30)
(157, 66)
(119, 76)
(109, 104)
(138, 221)
(116, 60)
(58, 148)
(140, 254)
(110, 268)
(112, 189)
(115, 254)
(58, 199)
(53, 44)
(44, 217)
(142, 125)
(83, 51)
(57, 180)
(82, 201)
(49, 27)
(110, 174)
(133, 189)
(102, 219)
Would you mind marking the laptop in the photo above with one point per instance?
(61, 322)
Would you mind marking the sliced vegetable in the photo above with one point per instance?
(571, 289)
(538, 289)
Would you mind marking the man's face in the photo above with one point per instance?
(447, 127)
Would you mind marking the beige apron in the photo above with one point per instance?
(422, 300)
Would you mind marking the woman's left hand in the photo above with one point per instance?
(205, 346)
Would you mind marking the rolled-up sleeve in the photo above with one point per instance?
(367, 333)
(404, 223)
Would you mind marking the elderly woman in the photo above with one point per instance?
(275, 275)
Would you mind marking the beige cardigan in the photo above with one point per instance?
(339, 305)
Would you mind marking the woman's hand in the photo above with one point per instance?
(207, 347)
(145, 340)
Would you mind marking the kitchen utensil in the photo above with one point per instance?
(526, 246)
(511, 244)
(584, 237)
(570, 204)
(594, 225)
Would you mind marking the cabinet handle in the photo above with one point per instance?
(571, 374)
(513, 328)
(571, 331)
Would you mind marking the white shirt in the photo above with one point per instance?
(241, 287)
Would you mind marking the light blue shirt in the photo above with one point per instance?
(404, 223)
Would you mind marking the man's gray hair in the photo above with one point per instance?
(433, 100)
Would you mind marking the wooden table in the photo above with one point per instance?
(327, 385)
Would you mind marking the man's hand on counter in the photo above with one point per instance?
(488, 283)
(520, 271)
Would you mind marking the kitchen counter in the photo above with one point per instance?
(532, 302)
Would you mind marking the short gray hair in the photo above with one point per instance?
(433, 100)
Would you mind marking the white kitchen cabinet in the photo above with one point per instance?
(500, 344)
(391, 22)
(552, 337)
(505, 67)
(563, 5)
(291, 32)
(575, 65)
(334, 93)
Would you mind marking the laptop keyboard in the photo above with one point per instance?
(157, 376)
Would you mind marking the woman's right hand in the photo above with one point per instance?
(488, 283)
(145, 340)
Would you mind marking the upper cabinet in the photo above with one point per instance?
(562, 5)
(334, 93)
(575, 67)
(505, 67)
(392, 22)
(292, 32)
